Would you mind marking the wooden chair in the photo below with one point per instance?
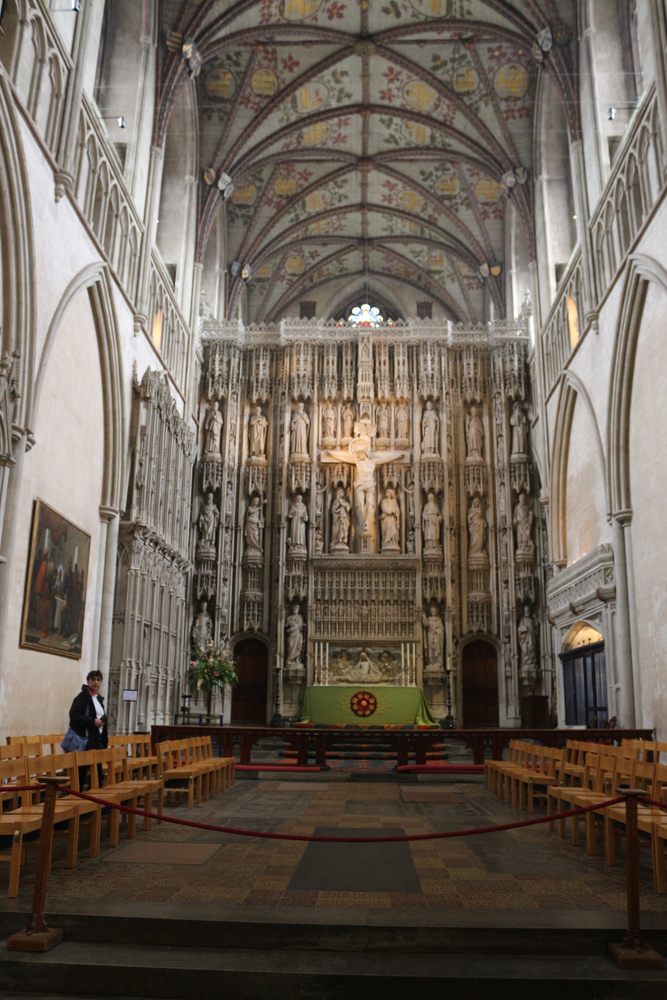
(603, 788)
(656, 826)
(547, 777)
(559, 797)
(172, 767)
(226, 766)
(120, 796)
(573, 768)
(492, 767)
(27, 817)
(144, 787)
(634, 774)
(65, 764)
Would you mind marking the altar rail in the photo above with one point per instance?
(484, 743)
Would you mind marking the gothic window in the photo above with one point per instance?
(366, 315)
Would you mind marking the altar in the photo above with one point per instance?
(370, 705)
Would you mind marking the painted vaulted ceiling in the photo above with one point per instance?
(377, 137)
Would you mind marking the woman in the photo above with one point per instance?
(88, 718)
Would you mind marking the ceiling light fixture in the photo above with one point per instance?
(115, 118)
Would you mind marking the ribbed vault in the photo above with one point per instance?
(387, 138)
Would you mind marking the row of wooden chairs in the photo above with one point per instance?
(192, 761)
(118, 787)
(584, 775)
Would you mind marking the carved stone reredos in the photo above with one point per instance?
(349, 467)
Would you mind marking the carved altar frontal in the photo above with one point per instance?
(372, 489)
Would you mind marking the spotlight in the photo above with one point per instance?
(611, 114)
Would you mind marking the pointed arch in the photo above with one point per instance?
(572, 389)
(96, 279)
(17, 255)
(641, 271)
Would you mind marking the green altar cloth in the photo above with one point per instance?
(395, 706)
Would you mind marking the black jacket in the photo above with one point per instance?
(82, 720)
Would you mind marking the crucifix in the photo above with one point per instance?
(360, 453)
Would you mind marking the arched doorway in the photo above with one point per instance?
(584, 677)
(480, 685)
(249, 695)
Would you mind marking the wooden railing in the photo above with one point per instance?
(410, 746)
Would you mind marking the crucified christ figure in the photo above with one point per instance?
(360, 454)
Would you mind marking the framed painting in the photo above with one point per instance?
(54, 606)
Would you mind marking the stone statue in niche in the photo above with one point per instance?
(299, 428)
(320, 490)
(208, 520)
(258, 428)
(201, 629)
(294, 638)
(347, 418)
(523, 521)
(431, 521)
(253, 530)
(435, 637)
(227, 547)
(329, 423)
(476, 528)
(389, 522)
(207, 524)
(527, 644)
(298, 518)
(383, 423)
(502, 508)
(402, 423)
(340, 522)
(474, 428)
(430, 425)
(212, 433)
(519, 425)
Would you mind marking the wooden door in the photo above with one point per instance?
(480, 685)
(249, 695)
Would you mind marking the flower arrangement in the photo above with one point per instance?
(212, 666)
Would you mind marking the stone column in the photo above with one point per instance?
(659, 22)
(150, 226)
(110, 516)
(625, 518)
(64, 176)
(578, 173)
(8, 538)
(624, 665)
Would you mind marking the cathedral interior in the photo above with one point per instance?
(331, 335)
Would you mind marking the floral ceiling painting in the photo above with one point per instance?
(388, 139)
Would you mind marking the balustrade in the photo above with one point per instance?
(39, 66)
(632, 190)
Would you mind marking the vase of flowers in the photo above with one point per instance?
(211, 667)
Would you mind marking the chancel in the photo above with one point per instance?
(342, 359)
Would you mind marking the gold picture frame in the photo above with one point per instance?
(54, 605)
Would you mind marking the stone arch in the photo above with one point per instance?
(556, 234)
(380, 288)
(95, 278)
(178, 184)
(641, 271)
(572, 389)
(16, 243)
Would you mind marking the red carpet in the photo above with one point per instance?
(441, 768)
(274, 767)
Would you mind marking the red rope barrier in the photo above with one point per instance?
(652, 802)
(344, 840)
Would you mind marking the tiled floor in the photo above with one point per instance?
(529, 869)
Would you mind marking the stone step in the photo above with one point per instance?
(454, 933)
(177, 973)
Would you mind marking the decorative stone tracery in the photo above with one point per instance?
(374, 498)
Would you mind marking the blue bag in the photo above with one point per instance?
(73, 741)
